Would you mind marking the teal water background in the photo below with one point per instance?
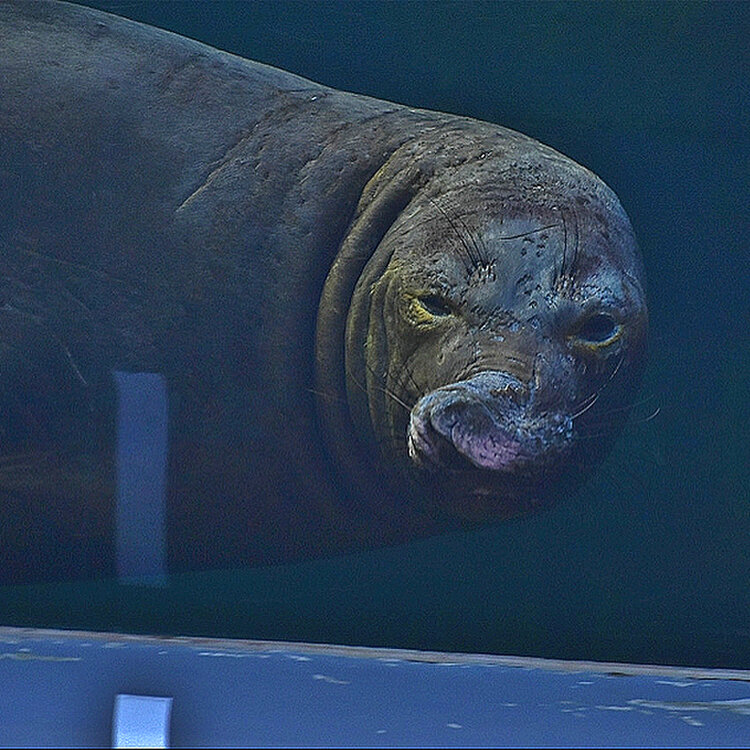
(650, 562)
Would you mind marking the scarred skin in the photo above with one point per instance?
(374, 322)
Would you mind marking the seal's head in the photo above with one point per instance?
(495, 336)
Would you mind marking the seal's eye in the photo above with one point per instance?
(436, 306)
(598, 330)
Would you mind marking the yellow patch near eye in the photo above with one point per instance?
(418, 312)
(594, 345)
(597, 331)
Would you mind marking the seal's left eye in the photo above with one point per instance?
(598, 329)
(435, 305)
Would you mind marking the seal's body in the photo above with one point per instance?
(374, 322)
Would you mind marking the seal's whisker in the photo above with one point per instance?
(641, 402)
(565, 249)
(591, 436)
(653, 415)
(419, 391)
(410, 375)
(354, 380)
(584, 402)
(592, 400)
(573, 262)
(595, 394)
(396, 399)
(632, 421)
(614, 372)
(386, 390)
(474, 261)
(381, 388)
(482, 254)
(642, 420)
(399, 385)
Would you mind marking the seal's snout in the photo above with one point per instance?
(487, 421)
(441, 436)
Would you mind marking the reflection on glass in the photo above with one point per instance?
(141, 477)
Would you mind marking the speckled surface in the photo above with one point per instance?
(58, 689)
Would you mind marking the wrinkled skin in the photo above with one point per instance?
(502, 340)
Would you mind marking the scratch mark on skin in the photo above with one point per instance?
(226, 159)
(72, 362)
(77, 301)
(530, 232)
(171, 73)
(42, 323)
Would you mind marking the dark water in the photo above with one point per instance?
(650, 562)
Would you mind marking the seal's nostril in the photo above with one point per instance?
(489, 422)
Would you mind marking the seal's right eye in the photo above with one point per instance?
(598, 330)
(435, 306)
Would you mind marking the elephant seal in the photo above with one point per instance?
(373, 322)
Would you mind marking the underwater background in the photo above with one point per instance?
(650, 561)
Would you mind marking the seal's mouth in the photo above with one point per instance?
(487, 423)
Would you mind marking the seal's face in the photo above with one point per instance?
(503, 342)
